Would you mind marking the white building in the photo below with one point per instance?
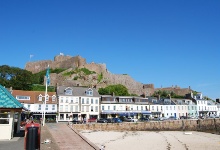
(34, 101)
(77, 102)
(128, 106)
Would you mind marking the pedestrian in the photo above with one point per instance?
(102, 147)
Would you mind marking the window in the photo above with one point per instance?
(89, 92)
(77, 100)
(82, 100)
(82, 108)
(96, 108)
(71, 108)
(96, 101)
(114, 107)
(87, 101)
(46, 107)
(91, 101)
(87, 108)
(76, 108)
(18, 97)
(67, 100)
(53, 98)
(152, 107)
(108, 107)
(39, 107)
(141, 107)
(53, 107)
(4, 117)
(61, 108)
(66, 107)
(61, 99)
(68, 92)
(137, 107)
(40, 97)
(103, 108)
(47, 97)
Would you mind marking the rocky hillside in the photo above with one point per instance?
(70, 77)
(80, 73)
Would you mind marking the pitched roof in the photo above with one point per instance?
(77, 91)
(33, 96)
(7, 100)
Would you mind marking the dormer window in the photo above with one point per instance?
(47, 97)
(89, 92)
(40, 97)
(53, 98)
(154, 100)
(68, 91)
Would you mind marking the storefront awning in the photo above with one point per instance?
(121, 112)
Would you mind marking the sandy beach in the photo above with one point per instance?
(164, 140)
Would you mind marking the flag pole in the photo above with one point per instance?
(45, 102)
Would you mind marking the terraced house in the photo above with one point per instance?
(34, 101)
(77, 103)
(128, 106)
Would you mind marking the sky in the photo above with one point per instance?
(163, 42)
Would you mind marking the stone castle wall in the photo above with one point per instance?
(60, 61)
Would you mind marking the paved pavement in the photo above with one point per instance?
(17, 143)
(54, 136)
(69, 139)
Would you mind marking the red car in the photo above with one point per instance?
(92, 120)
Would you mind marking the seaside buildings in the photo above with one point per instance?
(77, 103)
(34, 102)
(82, 103)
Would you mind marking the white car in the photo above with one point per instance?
(130, 119)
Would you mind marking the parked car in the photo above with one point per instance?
(92, 120)
(183, 117)
(156, 119)
(109, 120)
(131, 119)
(172, 118)
(163, 118)
(116, 120)
(76, 121)
(102, 120)
(142, 119)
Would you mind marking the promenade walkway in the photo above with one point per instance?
(60, 135)
(68, 139)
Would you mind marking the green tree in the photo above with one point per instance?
(118, 90)
(16, 78)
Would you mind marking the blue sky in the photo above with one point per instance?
(154, 41)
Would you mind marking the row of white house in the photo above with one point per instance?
(85, 103)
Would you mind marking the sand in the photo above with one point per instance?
(164, 140)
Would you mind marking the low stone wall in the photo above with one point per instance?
(206, 125)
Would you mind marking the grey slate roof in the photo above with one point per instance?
(7, 100)
(77, 91)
